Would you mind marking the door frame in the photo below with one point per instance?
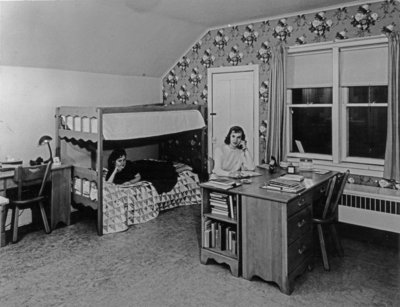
(256, 114)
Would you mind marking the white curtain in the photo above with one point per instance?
(276, 134)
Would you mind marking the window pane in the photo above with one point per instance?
(379, 94)
(312, 126)
(358, 94)
(368, 94)
(321, 95)
(367, 132)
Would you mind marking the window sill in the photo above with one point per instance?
(325, 162)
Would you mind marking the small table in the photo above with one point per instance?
(60, 204)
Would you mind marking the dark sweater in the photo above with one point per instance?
(161, 174)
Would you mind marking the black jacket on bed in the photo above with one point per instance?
(161, 174)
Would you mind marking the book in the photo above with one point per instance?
(217, 195)
(293, 189)
(227, 231)
(219, 212)
(219, 206)
(207, 233)
(222, 186)
(232, 214)
(292, 177)
(213, 234)
(246, 174)
(282, 183)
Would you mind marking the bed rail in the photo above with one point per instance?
(85, 187)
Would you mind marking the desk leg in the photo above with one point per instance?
(3, 216)
(61, 196)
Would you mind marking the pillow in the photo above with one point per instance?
(181, 167)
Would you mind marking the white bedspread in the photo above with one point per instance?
(124, 126)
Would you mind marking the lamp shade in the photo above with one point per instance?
(44, 139)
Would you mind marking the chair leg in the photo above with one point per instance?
(44, 218)
(336, 240)
(323, 247)
(15, 217)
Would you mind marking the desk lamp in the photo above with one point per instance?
(45, 139)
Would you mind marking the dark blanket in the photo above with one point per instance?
(161, 174)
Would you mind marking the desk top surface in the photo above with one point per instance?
(253, 189)
(8, 172)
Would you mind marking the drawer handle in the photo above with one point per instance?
(301, 202)
(302, 249)
(301, 223)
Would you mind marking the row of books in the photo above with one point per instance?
(220, 236)
(223, 204)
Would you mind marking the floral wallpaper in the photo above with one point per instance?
(251, 43)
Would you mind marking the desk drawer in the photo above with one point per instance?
(299, 224)
(299, 251)
(299, 203)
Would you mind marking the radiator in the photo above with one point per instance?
(372, 207)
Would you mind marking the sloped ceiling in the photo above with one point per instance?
(123, 37)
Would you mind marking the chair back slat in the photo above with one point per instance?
(329, 195)
(32, 175)
(339, 188)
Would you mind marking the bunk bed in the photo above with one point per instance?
(92, 128)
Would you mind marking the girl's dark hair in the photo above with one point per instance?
(114, 156)
(235, 129)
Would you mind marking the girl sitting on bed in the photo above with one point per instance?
(161, 174)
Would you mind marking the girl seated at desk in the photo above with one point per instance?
(233, 156)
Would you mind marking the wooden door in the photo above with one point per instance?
(233, 102)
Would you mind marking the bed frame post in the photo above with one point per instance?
(57, 136)
(204, 151)
(100, 171)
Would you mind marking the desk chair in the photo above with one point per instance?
(328, 217)
(27, 178)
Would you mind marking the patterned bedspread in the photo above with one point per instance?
(139, 203)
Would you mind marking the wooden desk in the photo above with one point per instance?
(274, 229)
(60, 204)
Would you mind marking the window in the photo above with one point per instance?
(311, 118)
(366, 119)
(337, 102)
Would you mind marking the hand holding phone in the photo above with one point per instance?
(242, 145)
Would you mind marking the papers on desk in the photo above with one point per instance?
(246, 174)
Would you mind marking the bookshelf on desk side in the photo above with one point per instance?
(220, 235)
(273, 229)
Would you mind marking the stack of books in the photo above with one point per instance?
(222, 204)
(222, 183)
(284, 185)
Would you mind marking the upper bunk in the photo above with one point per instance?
(97, 124)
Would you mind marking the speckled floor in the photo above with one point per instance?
(157, 264)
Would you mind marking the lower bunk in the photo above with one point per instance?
(126, 205)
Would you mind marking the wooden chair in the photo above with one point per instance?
(328, 217)
(27, 178)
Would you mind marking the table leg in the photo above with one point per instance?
(3, 216)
